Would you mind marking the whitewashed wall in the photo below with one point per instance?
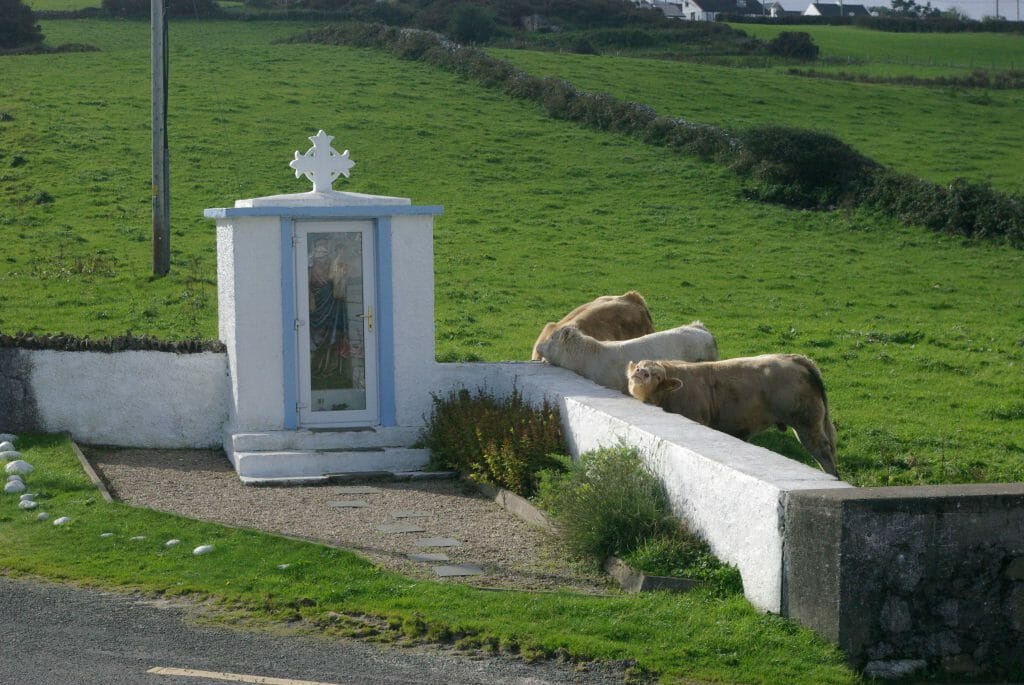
(132, 399)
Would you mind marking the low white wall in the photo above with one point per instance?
(728, 490)
(132, 399)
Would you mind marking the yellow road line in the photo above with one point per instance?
(232, 677)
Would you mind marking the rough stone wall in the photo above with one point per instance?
(912, 581)
(18, 412)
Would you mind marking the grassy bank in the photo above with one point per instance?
(678, 637)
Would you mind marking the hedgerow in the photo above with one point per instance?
(797, 167)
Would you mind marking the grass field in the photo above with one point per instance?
(919, 336)
(935, 133)
(330, 591)
(906, 53)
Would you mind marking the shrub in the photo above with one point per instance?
(684, 555)
(174, 8)
(793, 45)
(18, 27)
(502, 442)
(473, 24)
(607, 503)
(800, 167)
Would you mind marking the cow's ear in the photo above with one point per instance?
(671, 384)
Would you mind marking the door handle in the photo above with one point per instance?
(368, 317)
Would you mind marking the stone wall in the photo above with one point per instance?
(911, 580)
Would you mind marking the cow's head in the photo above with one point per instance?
(648, 381)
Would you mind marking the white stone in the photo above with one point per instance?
(13, 487)
(137, 538)
(8, 437)
(42, 516)
(6, 446)
(106, 535)
(19, 467)
(28, 495)
(62, 520)
(172, 543)
(283, 566)
(28, 504)
(15, 478)
(202, 549)
(9, 455)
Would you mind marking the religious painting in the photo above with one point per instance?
(337, 315)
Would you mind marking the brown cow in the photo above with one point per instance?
(743, 397)
(609, 317)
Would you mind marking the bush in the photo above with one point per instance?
(502, 442)
(608, 503)
(793, 45)
(473, 24)
(18, 27)
(138, 9)
(684, 555)
(800, 167)
(961, 207)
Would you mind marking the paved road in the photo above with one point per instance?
(52, 634)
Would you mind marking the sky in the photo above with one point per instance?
(976, 9)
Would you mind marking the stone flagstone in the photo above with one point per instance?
(437, 542)
(349, 504)
(428, 556)
(401, 528)
(409, 514)
(458, 570)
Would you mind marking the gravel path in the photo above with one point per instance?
(201, 484)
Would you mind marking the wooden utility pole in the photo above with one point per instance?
(161, 162)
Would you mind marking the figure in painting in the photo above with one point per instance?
(328, 313)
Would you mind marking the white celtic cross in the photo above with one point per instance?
(321, 164)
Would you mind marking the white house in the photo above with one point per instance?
(704, 10)
(818, 9)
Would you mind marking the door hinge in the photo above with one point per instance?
(299, 323)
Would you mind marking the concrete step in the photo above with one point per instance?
(283, 466)
(326, 439)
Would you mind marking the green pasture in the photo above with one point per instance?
(334, 592)
(61, 5)
(905, 53)
(920, 337)
(934, 133)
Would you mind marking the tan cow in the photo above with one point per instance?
(744, 396)
(605, 361)
(609, 317)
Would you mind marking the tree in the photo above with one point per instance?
(18, 27)
(910, 8)
(473, 24)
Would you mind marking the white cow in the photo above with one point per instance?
(605, 362)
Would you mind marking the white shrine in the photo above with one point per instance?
(326, 306)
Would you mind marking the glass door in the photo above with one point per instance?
(337, 346)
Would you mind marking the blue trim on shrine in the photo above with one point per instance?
(385, 323)
(340, 212)
(290, 372)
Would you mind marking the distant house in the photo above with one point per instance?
(820, 9)
(703, 10)
(776, 10)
